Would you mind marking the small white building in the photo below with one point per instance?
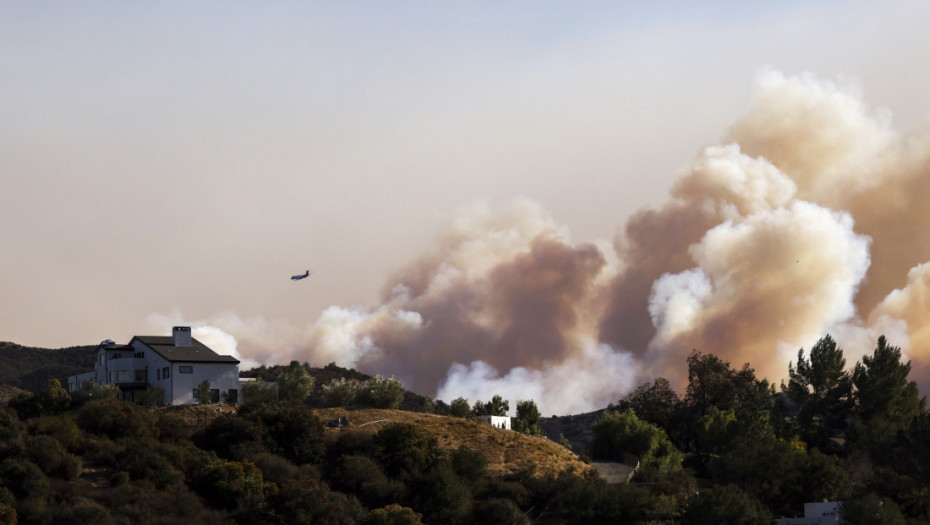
(825, 513)
(497, 421)
(178, 363)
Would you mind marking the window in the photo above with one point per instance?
(112, 378)
(139, 354)
(166, 372)
(214, 395)
(115, 355)
(185, 369)
(158, 374)
(232, 396)
(140, 376)
(122, 376)
(103, 358)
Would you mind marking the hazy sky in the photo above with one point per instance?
(180, 160)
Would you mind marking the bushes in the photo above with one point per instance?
(23, 478)
(377, 392)
(232, 485)
(48, 454)
(290, 430)
(115, 419)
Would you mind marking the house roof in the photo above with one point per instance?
(196, 353)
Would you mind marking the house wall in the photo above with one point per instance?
(75, 383)
(221, 376)
(497, 421)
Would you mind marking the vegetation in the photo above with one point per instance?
(732, 449)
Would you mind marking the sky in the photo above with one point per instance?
(547, 200)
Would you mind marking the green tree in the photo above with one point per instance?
(886, 402)
(380, 392)
(340, 392)
(257, 392)
(295, 383)
(460, 407)
(619, 432)
(821, 387)
(497, 406)
(232, 485)
(655, 403)
(725, 504)
(871, 509)
(91, 391)
(527, 420)
(202, 393)
(52, 399)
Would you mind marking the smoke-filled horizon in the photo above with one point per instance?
(806, 219)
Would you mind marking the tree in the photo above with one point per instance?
(295, 383)
(154, 396)
(202, 393)
(257, 392)
(725, 504)
(821, 387)
(380, 392)
(340, 392)
(52, 399)
(887, 402)
(712, 383)
(527, 420)
(655, 403)
(497, 406)
(622, 432)
(460, 407)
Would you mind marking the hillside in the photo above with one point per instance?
(506, 451)
(30, 368)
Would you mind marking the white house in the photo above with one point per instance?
(497, 421)
(826, 513)
(178, 363)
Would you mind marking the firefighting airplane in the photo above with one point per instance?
(301, 276)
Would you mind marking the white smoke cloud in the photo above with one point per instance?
(594, 377)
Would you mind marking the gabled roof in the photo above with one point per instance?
(196, 353)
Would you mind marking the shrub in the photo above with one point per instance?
(290, 430)
(115, 419)
(153, 396)
(48, 454)
(340, 392)
(23, 478)
(257, 392)
(308, 500)
(294, 383)
(404, 450)
(143, 461)
(362, 476)
(231, 437)
(460, 407)
(232, 485)
(380, 392)
(202, 394)
(392, 514)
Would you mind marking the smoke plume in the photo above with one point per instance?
(807, 219)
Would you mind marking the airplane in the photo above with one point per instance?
(301, 276)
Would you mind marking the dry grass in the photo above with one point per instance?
(506, 451)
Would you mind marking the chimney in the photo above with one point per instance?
(182, 335)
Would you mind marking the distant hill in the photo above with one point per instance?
(30, 368)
